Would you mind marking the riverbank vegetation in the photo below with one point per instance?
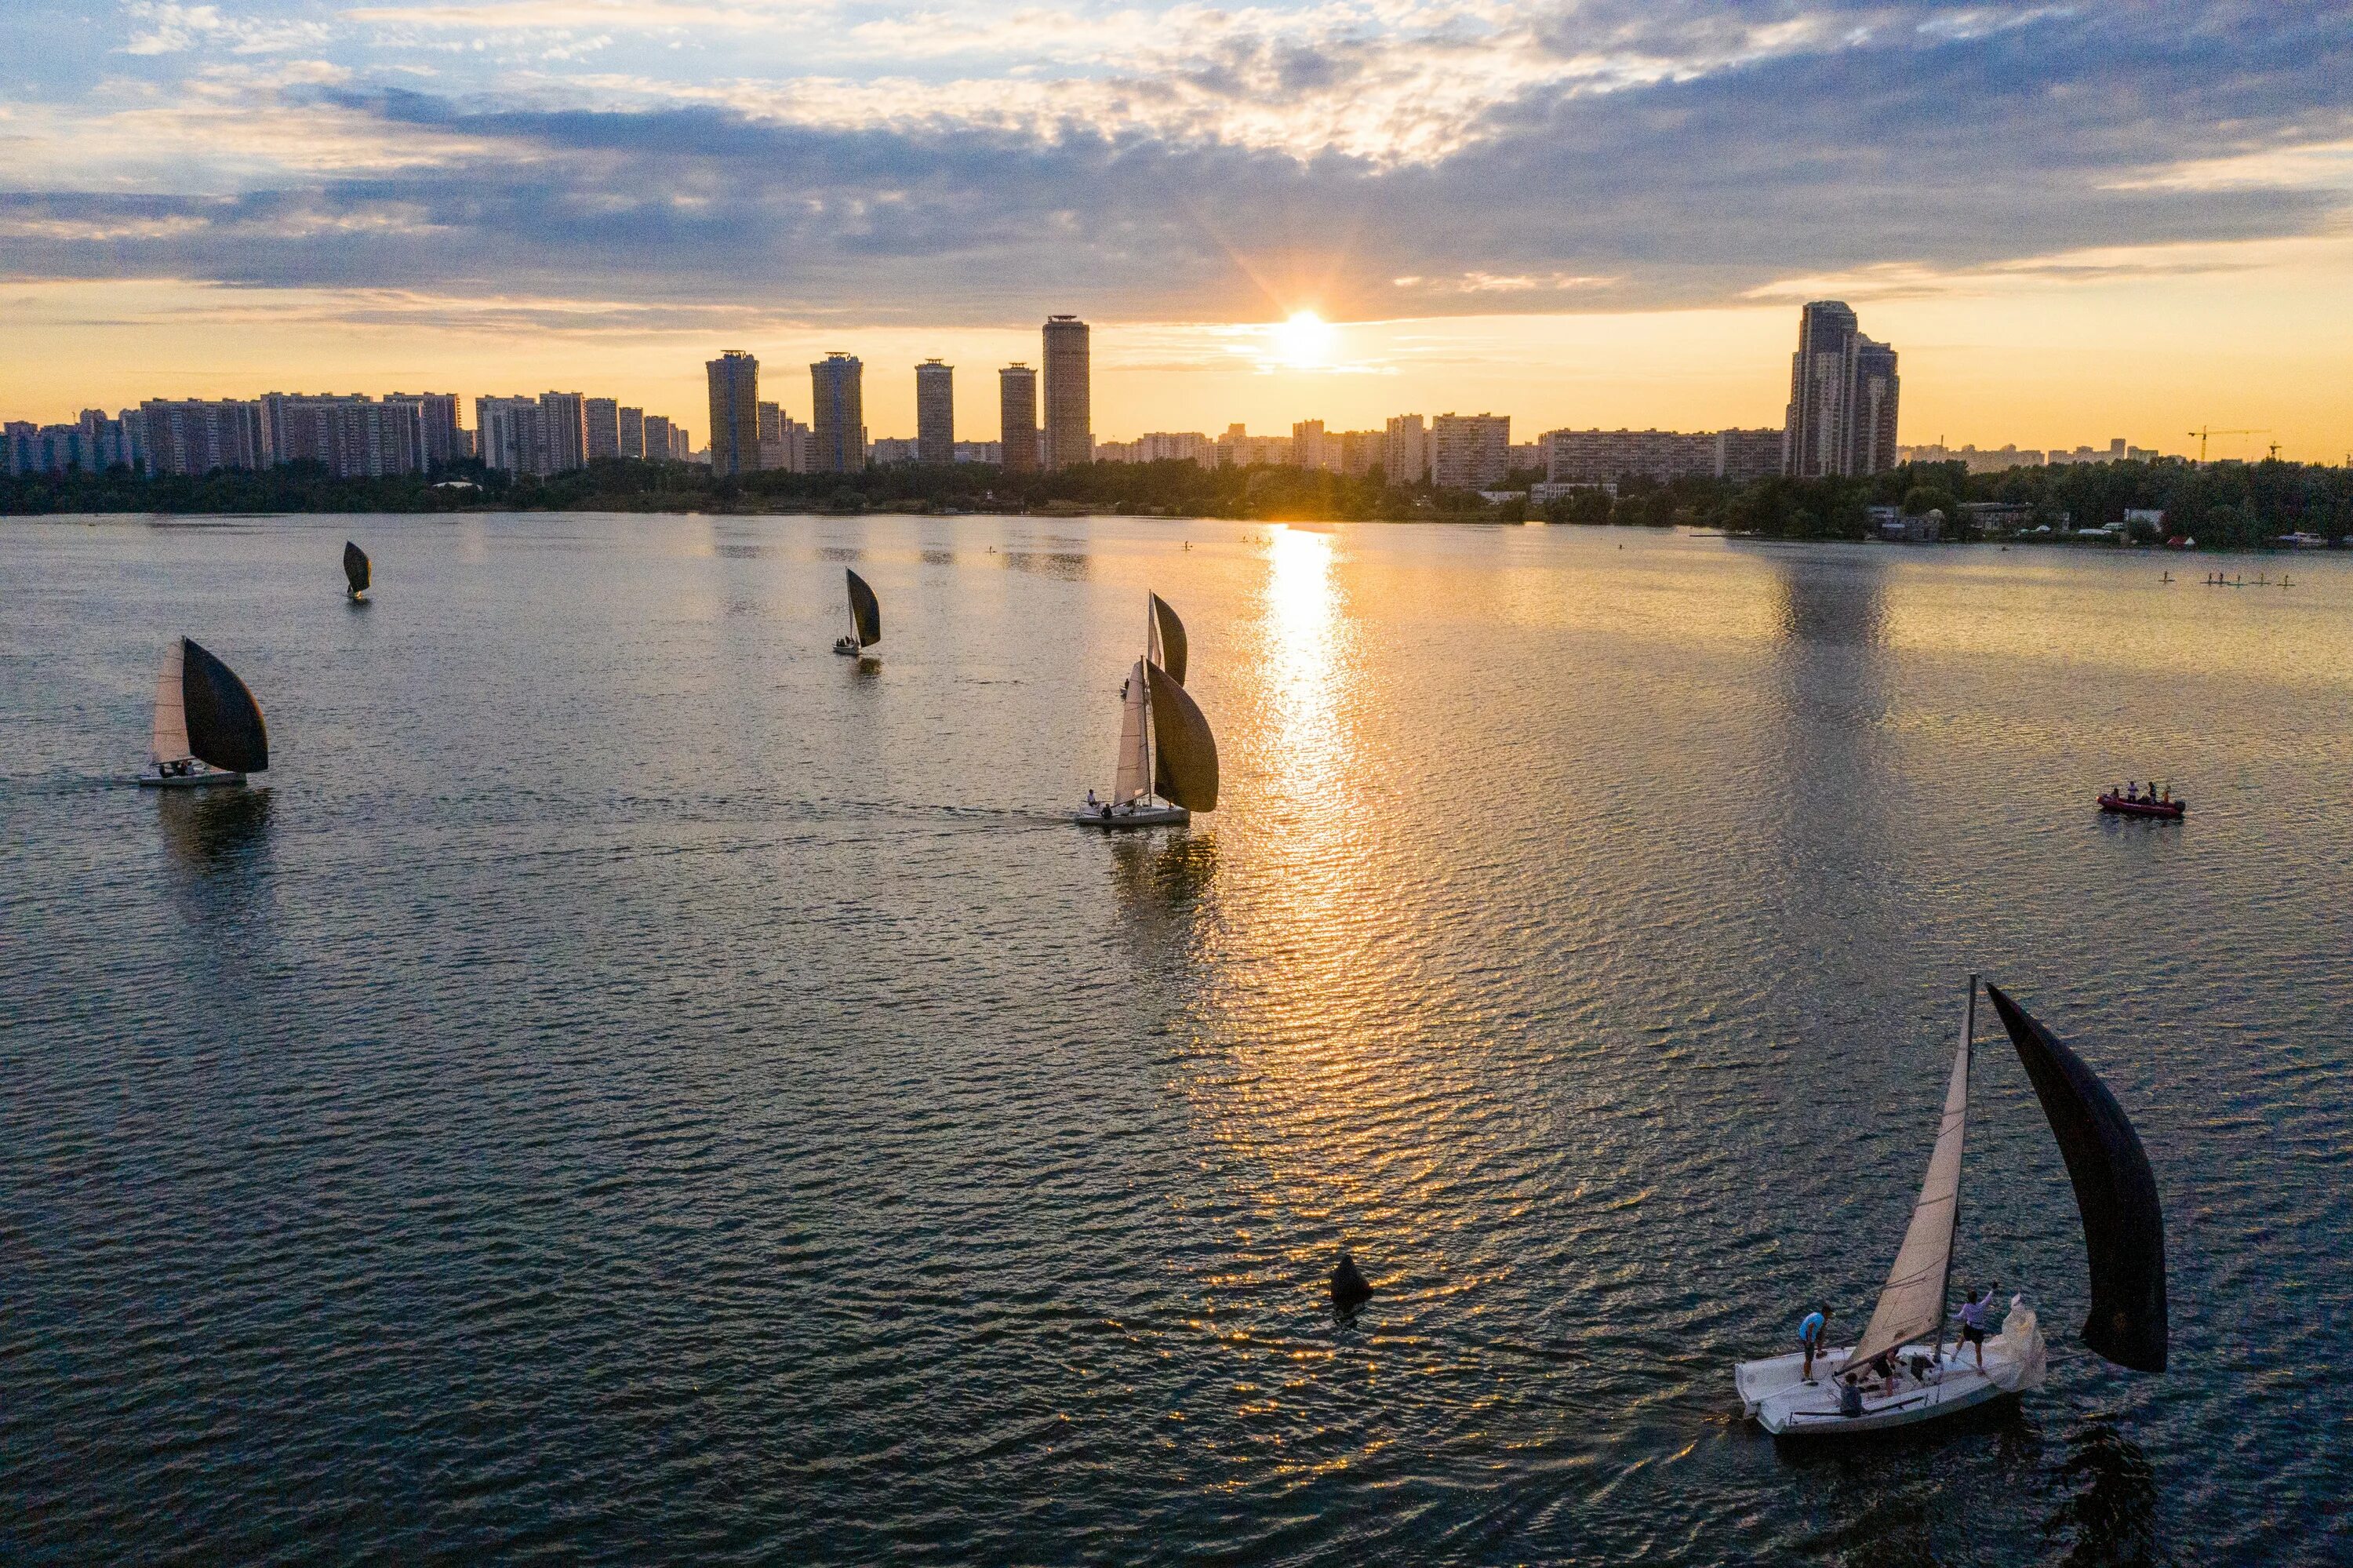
(2221, 505)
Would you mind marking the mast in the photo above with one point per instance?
(1969, 1049)
(1151, 646)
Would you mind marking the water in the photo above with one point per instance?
(634, 1085)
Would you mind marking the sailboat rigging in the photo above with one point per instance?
(865, 618)
(1890, 1377)
(1167, 766)
(208, 729)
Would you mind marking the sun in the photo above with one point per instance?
(1302, 342)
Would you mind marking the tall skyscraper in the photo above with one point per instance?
(1070, 418)
(934, 412)
(632, 425)
(1404, 449)
(1016, 401)
(1842, 390)
(603, 428)
(837, 419)
(734, 413)
(657, 433)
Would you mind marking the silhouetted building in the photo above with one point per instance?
(352, 437)
(1070, 416)
(1404, 449)
(838, 415)
(1017, 399)
(662, 445)
(542, 435)
(190, 436)
(1746, 455)
(734, 413)
(1842, 395)
(934, 412)
(1470, 451)
(631, 426)
(604, 418)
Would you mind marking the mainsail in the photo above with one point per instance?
(170, 743)
(1912, 1302)
(1135, 773)
(1185, 768)
(1171, 633)
(865, 611)
(2116, 1193)
(356, 567)
(223, 722)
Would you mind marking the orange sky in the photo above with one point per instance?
(2147, 344)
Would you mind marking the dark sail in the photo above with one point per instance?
(2124, 1230)
(225, 725)
(1172, 638)
(866, 610)
(1186, 768)
(355, 566)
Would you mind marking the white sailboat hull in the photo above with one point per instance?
(1136, 814)
(1774, 1395)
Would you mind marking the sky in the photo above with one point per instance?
(2115, 217)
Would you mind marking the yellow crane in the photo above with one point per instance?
(2202, 434)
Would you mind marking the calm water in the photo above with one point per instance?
(632, 1086)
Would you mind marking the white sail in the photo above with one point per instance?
(1912, 1302)
(1135, 729)
(170, 740)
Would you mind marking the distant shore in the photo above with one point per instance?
(2217, 506)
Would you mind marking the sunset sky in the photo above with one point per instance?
(2073, 221)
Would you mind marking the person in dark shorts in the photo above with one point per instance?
(1973, 1321)
(1810, 1337)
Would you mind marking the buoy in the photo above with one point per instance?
(1349, 1290)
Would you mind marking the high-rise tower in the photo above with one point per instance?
(1070, 423)
(1842, 395)
(734, 413)
(934, 412)
(1017, 395)
(837, 419)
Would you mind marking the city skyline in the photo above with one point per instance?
(1586, 212)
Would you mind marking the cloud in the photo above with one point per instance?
(171, 28)
(964, 163)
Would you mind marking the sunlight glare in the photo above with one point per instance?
(1305, 341)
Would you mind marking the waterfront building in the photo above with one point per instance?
(980, 452)
(1016, 401)
(1070, 427)
(838, 415)
(1239, 449)
(934, 412)
(1307, 444)
(352, 437)
(734, 378)
(660, 443)
(1587, 457)
(1527, 454)
(1404, 449)
(1746, 455)
(1470, 451)
(192, 436)
(437, 416)
(1176, 446)
(542, 435)
(893, 451)
(630, 425)
(603, 419)
(1842, 397)
(784, 441)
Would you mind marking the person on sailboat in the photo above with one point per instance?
(1973, 1319)
(1810, 1337)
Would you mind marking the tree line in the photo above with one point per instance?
(2221, 505)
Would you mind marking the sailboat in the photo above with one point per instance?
(865, 618)
(208, 728)
(1917, 1380)
(355, 569)
(1167, 767)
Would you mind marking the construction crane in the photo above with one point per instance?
(2201, 436)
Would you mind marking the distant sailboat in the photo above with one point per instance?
(208, 728)
(865, 618)
(2123, 1237)
(1168, 766)
(355, 568)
